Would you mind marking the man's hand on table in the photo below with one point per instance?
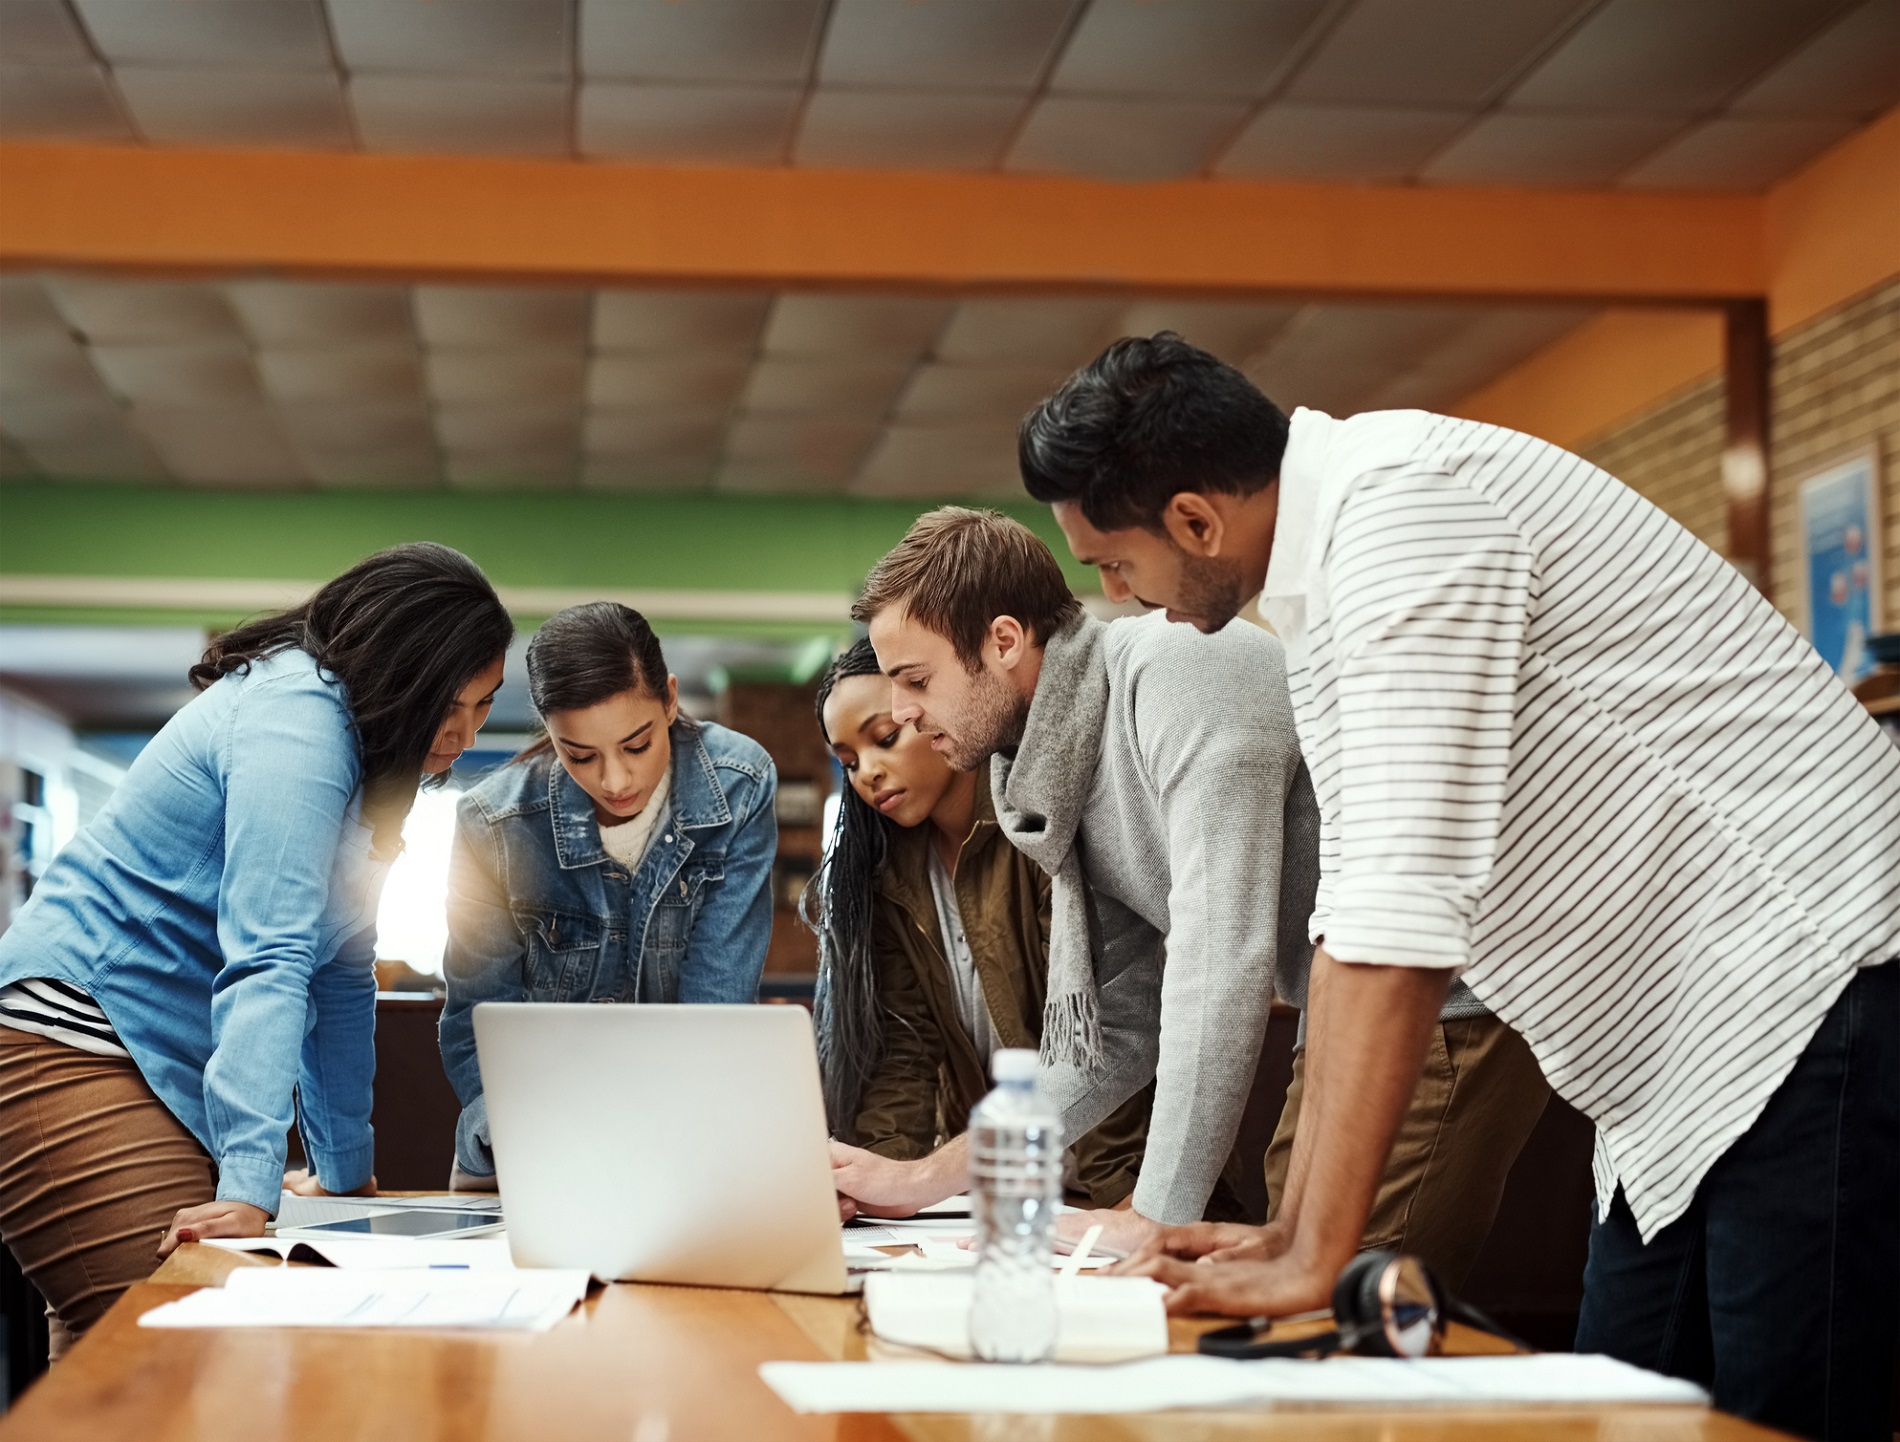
(873, 1186)
(1236, 1289)
(213, 1219)
(1212, 1242)
(1124, 1229)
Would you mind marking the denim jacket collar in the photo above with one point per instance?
(698, 800)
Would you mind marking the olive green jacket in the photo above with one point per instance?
(931, 1075)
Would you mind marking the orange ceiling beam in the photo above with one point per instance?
(445, 217)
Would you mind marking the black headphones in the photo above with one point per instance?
(1385, 1304)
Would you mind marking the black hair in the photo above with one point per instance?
(1144, 421)
(404, 631)
(587, 654)
(837, 905)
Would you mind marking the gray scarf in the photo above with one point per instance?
(1040, 793)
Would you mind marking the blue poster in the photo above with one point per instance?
(1840, 541)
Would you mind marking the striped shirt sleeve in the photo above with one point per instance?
(1432, 589)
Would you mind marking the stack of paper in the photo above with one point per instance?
(1193, 1381)
(1099, 1319)
(319, 1297)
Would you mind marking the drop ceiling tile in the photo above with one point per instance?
(1677, 58)
(838, 387)
(272, 34)
(1851, 68)
(298, 313)
(365, 425)
(1189, 48)
(221, 445)
(998, 393)
(854, 326)
(15, 464)
(773, 478)
(949, 44)
(457, 37)
(943, 461)
(41, 32)
(393, 468)
(1335, 357)
(1332, 142)
(108, 311)
(462, 316)
(906, 129)
(1060, 333)
(44, 363)
(1232, 330)
(375, 371)
(699, 383)
(461, 114)
(291, 109)
(524, 470)
(803, 445)
(1481, 349)
(687, 124)
(1511, 148)
(1124, 139)
(465, 376)
(59, 103)
(742, 42)
(1395, 54)
(96, 456)
(678, 320)
(34, 419)
(644, 433)
(26, 310)
(517, 428)
(660, 472)
(190, 374)
(1738, 154)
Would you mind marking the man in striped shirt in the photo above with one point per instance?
(1565, 752)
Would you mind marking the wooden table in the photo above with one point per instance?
(638, 1364)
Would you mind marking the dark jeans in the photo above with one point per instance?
(1779, 1288)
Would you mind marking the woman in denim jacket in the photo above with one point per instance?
(624, 857)
(204, 949)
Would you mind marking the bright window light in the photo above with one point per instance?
(412, 924)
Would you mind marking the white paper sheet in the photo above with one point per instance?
(1166, 1383)
(319, 1297)
(1100, 1319)
(474, 1254)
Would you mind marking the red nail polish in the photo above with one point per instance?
(185, 1234)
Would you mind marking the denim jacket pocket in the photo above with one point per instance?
(563, 951)
(670, 923)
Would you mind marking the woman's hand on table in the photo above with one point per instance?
(213, 1219)
(301, 1183)
(1124, 1229)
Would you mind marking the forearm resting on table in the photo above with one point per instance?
(881, 1186)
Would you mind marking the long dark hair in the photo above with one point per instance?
(587, 654)
(404, 631)
(837, 905)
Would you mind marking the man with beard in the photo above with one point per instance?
(1564, 752)
(1154, 773)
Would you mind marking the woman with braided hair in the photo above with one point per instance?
(933, 944)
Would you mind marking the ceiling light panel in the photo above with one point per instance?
(1738, 153)
(301, 110)
(461, 114)
(462, 376)
(1061, 333)
(1332, 142)
(458, 316)
(838, 387)
(41, 32)
(107, 311)
(1851, 68)
(1195, 49)
(371, 371)
(224, 34)
(679, 320)
(646, 382)
(297, 313)
(1124, 139)
(741, 42)
(854, 325)
(59, 103)
(1508, 148)
(941, 392)
(947, 44)
(1678, 58)
(458, 37)
(907, 129)
(1456, 53)
(686, 124)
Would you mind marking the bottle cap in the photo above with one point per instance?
(1014, 1064)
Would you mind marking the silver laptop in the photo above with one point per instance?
(662, 1143)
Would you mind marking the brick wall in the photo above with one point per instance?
(1835, 388)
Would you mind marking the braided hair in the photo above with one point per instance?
(837, 905)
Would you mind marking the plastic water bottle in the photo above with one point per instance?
(1015, 1189)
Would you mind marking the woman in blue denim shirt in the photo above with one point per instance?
(203, 950)
(625, 857)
